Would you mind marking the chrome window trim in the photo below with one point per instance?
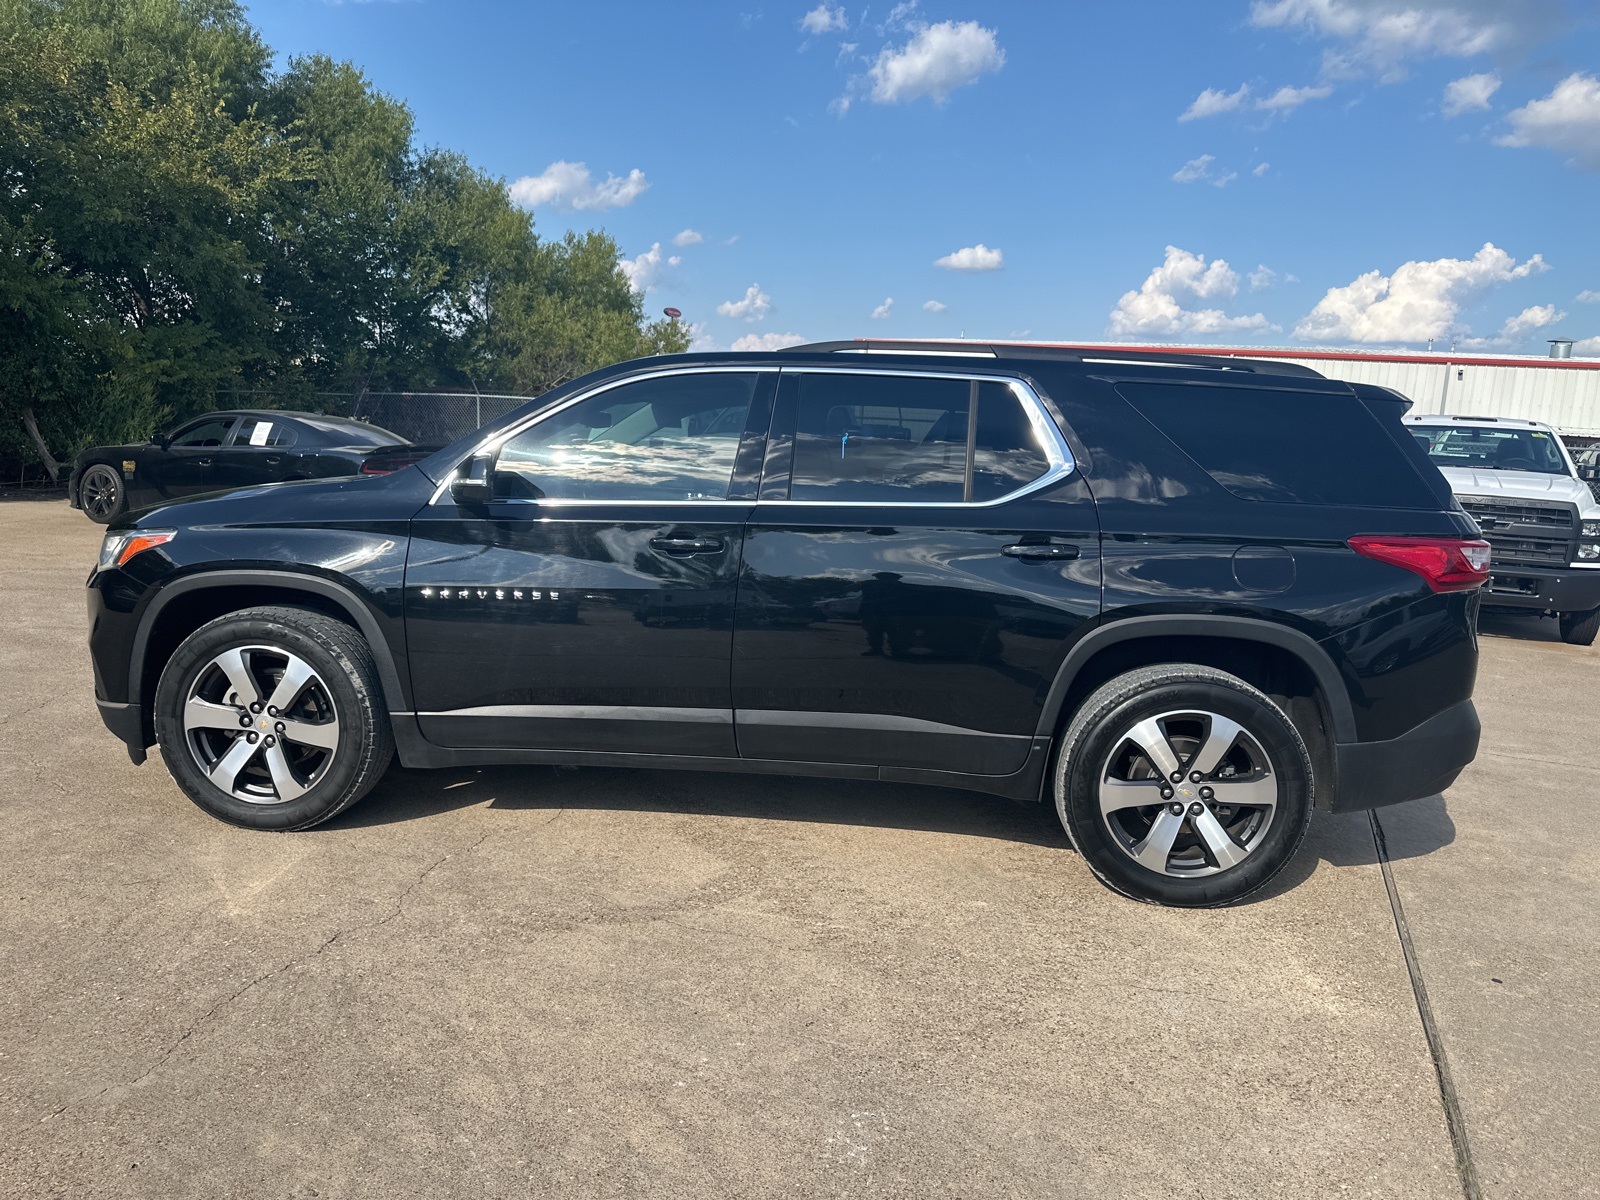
(527, 423)
(1054, 443)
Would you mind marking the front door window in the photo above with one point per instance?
(671, 439)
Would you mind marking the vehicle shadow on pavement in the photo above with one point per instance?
(1339, 839)
(406, 795)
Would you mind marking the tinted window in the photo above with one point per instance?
(263, 431)
(673, 438)
(1006, 454)
(1492, 449)
(1305, 448)
(207, 433)
(353, 433)
(877, 438)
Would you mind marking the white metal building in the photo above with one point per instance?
(1563, 392)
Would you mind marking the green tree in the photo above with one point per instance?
(177, 220)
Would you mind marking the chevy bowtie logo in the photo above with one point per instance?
(462, 593)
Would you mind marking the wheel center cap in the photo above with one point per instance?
(1185, 792)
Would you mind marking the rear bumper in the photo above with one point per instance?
(1419, 763)
(1542, 589)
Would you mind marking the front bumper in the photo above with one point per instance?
(127, 722)
(1422, 762)
(1573, 590)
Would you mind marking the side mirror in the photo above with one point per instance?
(1589, 473)
(474, 483)
(160, 440)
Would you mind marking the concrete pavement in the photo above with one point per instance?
(617, 983)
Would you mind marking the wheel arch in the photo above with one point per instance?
(184, 605)
(1284, 663)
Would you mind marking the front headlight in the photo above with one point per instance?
(1589, 551)
(1591, 529)
(118, 548)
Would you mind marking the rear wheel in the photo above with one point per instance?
(101, 494)
(1580, 628)
(1183, 785)
(273, 718)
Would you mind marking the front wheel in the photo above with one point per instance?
(1580, 628)
(1183, 785)
(101, 494)
(273, 718)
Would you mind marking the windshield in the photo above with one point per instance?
(1482, 448)
(354, 433)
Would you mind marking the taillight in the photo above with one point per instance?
(1448, 564)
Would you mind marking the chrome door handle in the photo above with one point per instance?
(1039, 550)
(686, 545)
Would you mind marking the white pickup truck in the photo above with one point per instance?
(1517, 480)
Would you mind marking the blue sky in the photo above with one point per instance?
(828, 156)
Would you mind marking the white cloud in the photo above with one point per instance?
(972, 258)
(824, 18)
(1419, 302)
(1287, 99)
(1195, 169)
(1469, 93)
(644, 272)
(1157, 308)
(935, 62)
(1380, 36)
(688, 238)
(767, 341)
(1213, 101)
(1586, 346)
(1588, 296)
(1566, 121)
(882, 311)
(1264, 277)
(754, 307)
(1529, 319)
(1516, 328)
(700, 339)
(1224, 179)
(569, 186)
(934, 306)
(1260, 170)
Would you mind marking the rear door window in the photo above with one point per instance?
(1284, 446)
(908, 439)
(262, 431)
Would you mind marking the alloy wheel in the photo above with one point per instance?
(1188, 793)
(261, 724)
(99, 492)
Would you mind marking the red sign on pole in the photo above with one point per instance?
(672, 312)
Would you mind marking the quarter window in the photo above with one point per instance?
(887, 438)
(671, 438)
(1284, 446)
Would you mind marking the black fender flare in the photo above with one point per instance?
(394, 690)
(1249, 629)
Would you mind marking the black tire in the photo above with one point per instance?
(342, 703)
(1097, 751)
(1580, 628)
(101, 493)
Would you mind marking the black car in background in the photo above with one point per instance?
(232, 449)
(1112, 582)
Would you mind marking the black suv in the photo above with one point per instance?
(1116, 581)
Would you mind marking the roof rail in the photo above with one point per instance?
(1068, 353)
